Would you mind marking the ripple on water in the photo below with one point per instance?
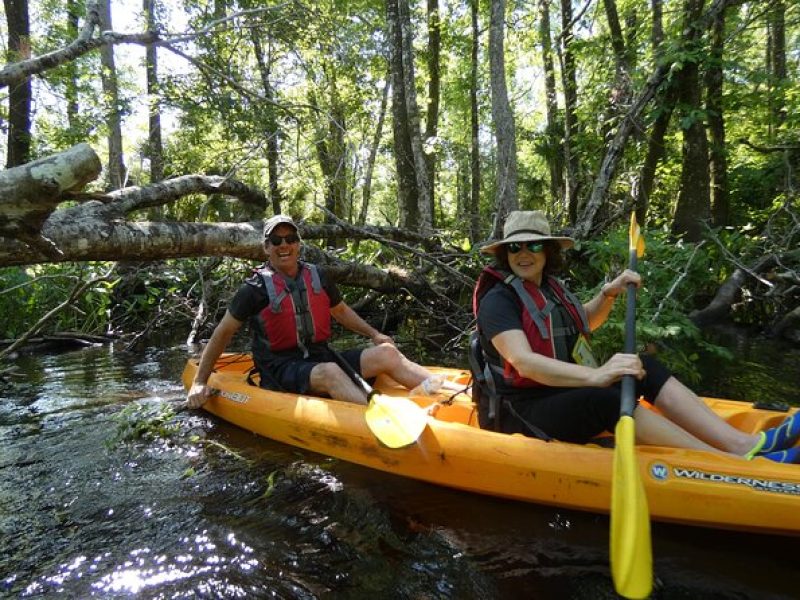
(85, 514)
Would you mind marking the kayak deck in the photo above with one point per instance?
(685, 486)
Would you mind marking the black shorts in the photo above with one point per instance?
(292, 373)
(577, 414)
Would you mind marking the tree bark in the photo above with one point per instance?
(655, 144)
(693, 207)
(117, 173)
(412, 112)
(720, 201)
(30, 193)
(726, 295)
(332, 151)
(155, 150)
(503, 117)
(475, 153)
(20, 95)
(657, 31)
(570, 84)
(620, 95)
(407, 188)
(776, 53)
(434, 84)
(373, 154)
(554, 129)
(271, 130)
(72, 77)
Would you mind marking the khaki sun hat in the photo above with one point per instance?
(526, 226)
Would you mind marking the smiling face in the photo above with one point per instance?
(525, 264)
(284, 256)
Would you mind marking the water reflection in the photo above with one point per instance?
(91, 510)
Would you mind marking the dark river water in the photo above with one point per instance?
(105, 494)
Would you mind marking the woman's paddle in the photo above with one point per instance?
(631, 550)
(396, 421)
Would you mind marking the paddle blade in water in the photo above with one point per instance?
(631, 551)
(395, 421)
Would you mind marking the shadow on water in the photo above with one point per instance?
(88, 509)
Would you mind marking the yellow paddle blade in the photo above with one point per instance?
(631, 550)
(635, 237)
(395, 421)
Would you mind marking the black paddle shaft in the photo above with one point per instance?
(627, 401)
(351, 372)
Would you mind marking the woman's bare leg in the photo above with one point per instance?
(682, 406)
(653, 429)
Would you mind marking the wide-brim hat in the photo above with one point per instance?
(526, 226)
(271, 223)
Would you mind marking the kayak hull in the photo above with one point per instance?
(682, 486)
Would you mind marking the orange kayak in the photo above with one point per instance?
(682, 486)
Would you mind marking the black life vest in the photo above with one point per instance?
(541, 323)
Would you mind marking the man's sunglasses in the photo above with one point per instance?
(276, 240)
(514, 247)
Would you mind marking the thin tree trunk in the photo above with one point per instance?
(20, 91)
(117, 173)
(655, 152)
(72, 77)
(475, 155)
(332, 155)
(776, 56)
(693, 207)
(655, 145)
(271, 130)
(657, 32)
(373, 154)
(407, 190)
(720, 202)
(154, 143)
(412, 112)
(554, 129)
(570, 85)
(505, 133)
(620, 95)
(432, 117)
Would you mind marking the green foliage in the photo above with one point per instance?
(674, 275)
(30, 292)
(143, 422)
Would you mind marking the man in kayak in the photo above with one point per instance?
(534, 335)
(289, 304)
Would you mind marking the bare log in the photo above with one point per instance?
(728, 292)
(30, 193)
(789, 325)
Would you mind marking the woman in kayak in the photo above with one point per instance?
(534, 336)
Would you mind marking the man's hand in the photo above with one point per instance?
(198, 394)
(381, 338)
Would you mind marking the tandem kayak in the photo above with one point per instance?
(682, 486)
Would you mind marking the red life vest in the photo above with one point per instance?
(299, 310)
(537, 322)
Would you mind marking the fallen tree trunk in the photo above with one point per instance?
(30, 193)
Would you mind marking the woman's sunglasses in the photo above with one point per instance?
(276, 240)
(514, 247)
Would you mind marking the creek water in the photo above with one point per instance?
(94, 506)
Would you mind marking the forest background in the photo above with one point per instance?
(400, 134)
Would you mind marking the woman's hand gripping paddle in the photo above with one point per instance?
(395, 421)
(631, 549)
